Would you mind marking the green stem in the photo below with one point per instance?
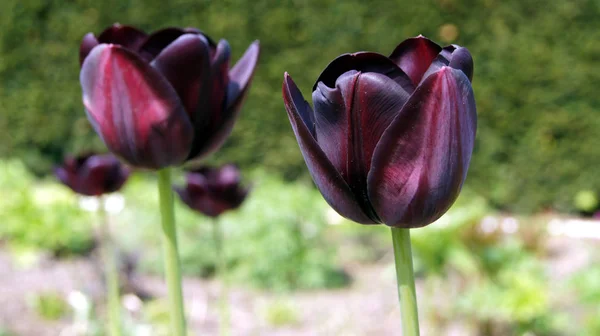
(170, 253)
(111, 272)
(221, 271)
(406, 282)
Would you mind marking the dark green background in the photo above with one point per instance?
(536, 80)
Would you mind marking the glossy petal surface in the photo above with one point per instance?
(185, 63)
(330, 182)
(422, 159)
(350, 120)
(134, 108)
(87, 44)
(364, 62)
(210, 116)
(414, 56)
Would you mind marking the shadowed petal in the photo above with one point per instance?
(64, 176)
(210, 117)
(329, 181)
(104, 173)
(238, 84)
(414, 55)
(241, 75)
(422, 159)
(462, 60)
(134, 109)
(185, 63)
(126, 36)
(87, 44)
(364, 62)
(350, 120)
(159, 40)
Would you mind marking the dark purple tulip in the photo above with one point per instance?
(92, 175)
(390, 138)
(213, 191)
(161, 99)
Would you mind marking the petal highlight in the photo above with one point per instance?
(134, 109)
(329, 181)
(422, 159)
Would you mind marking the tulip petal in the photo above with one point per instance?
(422, 159)
(329, 181)
(462, 60)
(414, 56)
(126, 36)
(134, 109)
(103, 174)
(185, 63)
(213, 123)
(364, 62)
(159, 40)
(87, 44)
(350, 120)
(241, 75)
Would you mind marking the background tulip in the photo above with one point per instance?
(92, 175)
(390, 138)
(161, 99)
(212, 191)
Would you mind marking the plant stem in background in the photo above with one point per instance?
(170, 253)
(111, 272)
(221, 272)
(406, 282)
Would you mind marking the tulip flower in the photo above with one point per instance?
(212, 191)
(161, 99)
(390, 140)
(92, 175)
(95, 175)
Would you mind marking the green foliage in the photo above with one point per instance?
(535, 78)
(41, 216)
(275, 240)
(50, 306)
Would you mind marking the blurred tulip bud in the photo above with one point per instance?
(92, 175)
(213, 191)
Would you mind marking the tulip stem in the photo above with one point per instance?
(221, 272)
(111, 272)
(406, 282)
(170, 253)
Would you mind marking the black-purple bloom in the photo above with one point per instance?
(390, 138)
(160, 99)
(92, 175)
(213, 191)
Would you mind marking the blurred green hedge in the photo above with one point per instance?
(536, 78)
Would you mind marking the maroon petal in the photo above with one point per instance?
(414, 55)
(241, 75)
(87, 44)
(159, 40)
(364, 62)
(422, 159)
(104, 174)
(350, 120)
(64, 176)
(212, 123)
(462, 60)
(185, 63)
(329, 181)
(126, 36)
(134, 108)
